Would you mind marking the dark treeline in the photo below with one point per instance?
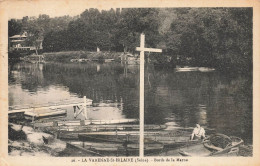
(212, 37)
(112, 30)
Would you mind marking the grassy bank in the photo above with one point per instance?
(66, 56)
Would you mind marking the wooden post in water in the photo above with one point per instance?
(85, 108)
(142, 49)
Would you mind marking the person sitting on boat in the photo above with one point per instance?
(198, 133)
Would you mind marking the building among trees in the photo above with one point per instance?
(19, 43)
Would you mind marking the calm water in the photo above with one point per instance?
(113, 87)
(214, 100)
(177, 99)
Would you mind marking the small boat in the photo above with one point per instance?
(72, 132)
(215, 145)
(201, 69)
(170, 138)
(206, 69)
(118, 149)
(109, 60)
(83, 122)
(185, 69)
(79, 148)
(112, 136)
(112, 127)
(173, 148)
(164, 137)
(96, 121)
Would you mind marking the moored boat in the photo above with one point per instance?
(76, 123)
(112, 136)
(215, 145)
(164, 137)
(118, 149)
(185, 69)
(106, 127)
(188, 69)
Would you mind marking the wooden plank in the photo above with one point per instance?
(44, 113)
(49, 107)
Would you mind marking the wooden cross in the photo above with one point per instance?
(142, 49)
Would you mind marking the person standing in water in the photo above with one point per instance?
(198, 133)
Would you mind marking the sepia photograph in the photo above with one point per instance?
(130, 84)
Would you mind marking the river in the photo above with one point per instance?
(215, 100)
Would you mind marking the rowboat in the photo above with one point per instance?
(206, 69)
(185, 69)
(173, 149)
(123, 149)
(170, 138)
(96, 121)
(112, 127)
(215, 145)
(111, 136)
(72, 132)
(83, 122)
(164, 137)
(188, 69)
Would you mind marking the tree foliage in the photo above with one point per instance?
(14, 27)
(218, 37)
(214, 37)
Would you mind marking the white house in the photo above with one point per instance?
(17, 42)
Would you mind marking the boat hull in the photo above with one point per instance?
(117, 149)
(164, 137)
(216, 145)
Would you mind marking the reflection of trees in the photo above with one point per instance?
(226, 100)
(231, 108)
(29, 75)
(178, 93)
(108, 83)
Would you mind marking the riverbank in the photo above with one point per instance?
(25, 141)
(68, 56)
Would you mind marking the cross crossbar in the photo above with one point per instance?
(148, 49)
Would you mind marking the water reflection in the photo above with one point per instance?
(215, 100)
(30, 84)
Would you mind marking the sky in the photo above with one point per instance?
(19, 9)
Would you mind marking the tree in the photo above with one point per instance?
(35, 34)
(135, 21)
(14, 27)
(216, 37)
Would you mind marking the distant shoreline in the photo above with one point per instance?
(67, 56)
